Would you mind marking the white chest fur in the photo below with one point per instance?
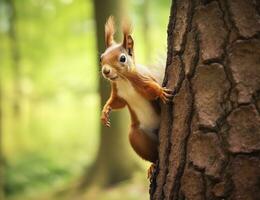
(148, 118)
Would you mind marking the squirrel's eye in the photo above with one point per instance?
(122, 58)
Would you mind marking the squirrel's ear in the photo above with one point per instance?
(128, 42)
(109, 31)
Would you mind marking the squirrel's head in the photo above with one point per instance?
(118, 58)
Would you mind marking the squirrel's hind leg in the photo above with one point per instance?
(144, 146)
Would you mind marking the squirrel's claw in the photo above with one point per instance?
(105, 117)
(151, 170)
(108, 124)
(167, 90)
(166, 95)
(105, 122)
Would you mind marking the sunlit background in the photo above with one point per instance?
(50, 99)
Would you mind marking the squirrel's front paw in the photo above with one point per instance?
(105, 117)
(166, 95)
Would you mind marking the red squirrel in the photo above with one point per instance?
(136, 87)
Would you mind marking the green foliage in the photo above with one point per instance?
(43, 173)
(55, 137)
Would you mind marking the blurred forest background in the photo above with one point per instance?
(51, 139)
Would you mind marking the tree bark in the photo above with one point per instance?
(110, 166)
(210, 133)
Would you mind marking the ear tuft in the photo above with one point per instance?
(109, 31)
(127, 27)
(128, 42)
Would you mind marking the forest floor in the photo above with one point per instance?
(133, 189)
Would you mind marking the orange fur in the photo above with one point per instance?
(128, 42)
(109, 31)
(114, 102)
(127, 27)
(145, 86)
(144, 146)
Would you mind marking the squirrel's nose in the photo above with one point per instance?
(106, 71)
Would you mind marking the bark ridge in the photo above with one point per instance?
(210, 133)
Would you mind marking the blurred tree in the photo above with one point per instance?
(2, 180)
(210, 133)
(113, 162)
(15, 56)
(146, 29)
(1, 148)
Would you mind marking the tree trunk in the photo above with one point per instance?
(210, 133)
(110, 166)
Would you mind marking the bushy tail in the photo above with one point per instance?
(157, 66)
